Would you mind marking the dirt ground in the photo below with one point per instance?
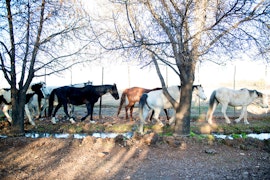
(141, 157)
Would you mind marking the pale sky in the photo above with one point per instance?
(126, 75)
(210, 75)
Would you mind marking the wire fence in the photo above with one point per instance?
(232, 76)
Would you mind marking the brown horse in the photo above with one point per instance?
(133, 95)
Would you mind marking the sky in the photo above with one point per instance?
(127, 75)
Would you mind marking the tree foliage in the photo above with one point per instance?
(181, 33)
(38, 35)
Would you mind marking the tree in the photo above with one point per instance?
(37, 35)
(182, 33)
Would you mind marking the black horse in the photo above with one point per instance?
(88, 95)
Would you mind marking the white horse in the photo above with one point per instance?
(242, 97)
(156, 100)
(5, 98)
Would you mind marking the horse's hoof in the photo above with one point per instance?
(210, 122)
(33, 124)
(53, 120)
(72, 121)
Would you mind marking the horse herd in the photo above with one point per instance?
(39, 97)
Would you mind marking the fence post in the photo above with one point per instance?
(128, 76)
(100, 99)
(234, 75)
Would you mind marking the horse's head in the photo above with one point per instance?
(114, 92)
(198, 89)
(39, 88)
(45, 91)
(263, 99)
(5, 96)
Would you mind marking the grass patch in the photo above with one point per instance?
(119, 128)
(255, 126)
(198, 127)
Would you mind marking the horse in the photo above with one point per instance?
(133, 95)
(242, 97)
(5, 98)
(34, 103)
(88, 95)
(156, 101)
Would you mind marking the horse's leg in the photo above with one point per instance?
(5, 111)
(156, 116)
(43, 108)
(131, 112)
(91, 113)
(55, 111)
(66, 112)
(39, 108)
(90, 108)
(71, 110)
(243, 114)
(143, 112)
(126, 109)
(26, 108)
(172, 119)
(223, 110)
(245, 117)
(210, 113)
(167, 115)
(151, 116)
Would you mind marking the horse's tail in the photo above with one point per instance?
(142, 103)
(213, 102)
(123, 99)
(149, 90)
(51, 100)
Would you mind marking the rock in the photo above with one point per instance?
(173, 142)
(150, 139)
(120, 140)
(245, 174)
(243, 147)
(210, 151)
(102, 154)
(128, 177)
(88, 140)
(137, 136)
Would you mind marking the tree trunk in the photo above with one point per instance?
(182, 115)
(18, 114)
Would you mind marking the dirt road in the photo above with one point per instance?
(147, 157)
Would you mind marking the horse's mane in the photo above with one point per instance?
(199, 85)
(251, 92)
